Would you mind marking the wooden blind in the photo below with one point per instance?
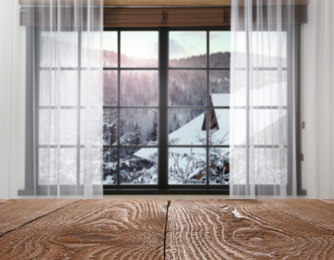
(154, 17)
(190, 2)
(163, 3)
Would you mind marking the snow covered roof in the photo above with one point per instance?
(192, 133)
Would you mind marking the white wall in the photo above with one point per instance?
(12, 100)
(318, 100)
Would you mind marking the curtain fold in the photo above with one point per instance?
(263, 110)
(60, 67)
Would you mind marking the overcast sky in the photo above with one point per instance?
(181, 44)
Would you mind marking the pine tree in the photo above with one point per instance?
(154, 132)
(113, 134)
(136, 134)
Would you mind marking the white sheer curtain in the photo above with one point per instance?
(263, 99)
(56, 87)
(318, 95)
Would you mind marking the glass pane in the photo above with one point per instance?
(91, 88)
(187, 49)
(219, 125)
(90, 170)
(269, 88)
(269, 164)
(65, 125)
(139, 88)
(186, 127)
(138, 166)
(59, 49)
(67, 167)
(219, 166)
(90, 49)
(110, 47)
(186, 165)
(187, 88)
(109, 166)
(139, 49)
(219, 86)
(268, 126)
(110, 89)
(139, 127)
(269, 49)
(220, 49)
(110, 133)
(66, 90)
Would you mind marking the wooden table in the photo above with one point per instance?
(162, 229)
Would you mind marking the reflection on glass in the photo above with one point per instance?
(219, 126)
(139, 49)
(186, 165)
(219, 166)
(109, 166)
(220, 49)
(66, 54)
(110, 89)
(186, 127)
(110, 126)
(139, 88)
(139, 127)
(187, 49)
(138, 166)
(110, 46)
(187, 88)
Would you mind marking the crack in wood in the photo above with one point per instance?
(165, 233)
(35, 219)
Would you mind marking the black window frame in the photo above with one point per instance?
(163, 187)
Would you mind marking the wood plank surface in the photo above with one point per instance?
(329, 201)
(250, 229)
(92, 229)
(16, 213)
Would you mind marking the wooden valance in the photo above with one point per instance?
(162, 3)
(166, 3)
(152, 17)
(178, 17)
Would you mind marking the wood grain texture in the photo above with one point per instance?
(153, 17)
(249, 229)
(329, 201)
(92, 229)
(16, 213)
(164, 17)
(162, 2)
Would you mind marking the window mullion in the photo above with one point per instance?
(118, 104)
(207, 108)
(163, 111)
